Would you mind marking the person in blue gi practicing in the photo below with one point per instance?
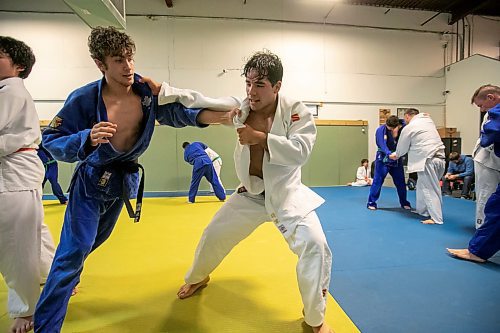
(51, 172)
(195, 154)
(386, 138)
(486, 241)
(104, 126)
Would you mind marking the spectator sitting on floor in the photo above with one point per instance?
(362, 175)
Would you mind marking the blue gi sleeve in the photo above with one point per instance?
(469, 168)
(452, 167)
(67, 135)
(381, 140)
(177, 115)
(491, 129)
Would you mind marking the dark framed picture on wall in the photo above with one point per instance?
(314, 108)
(401, 112)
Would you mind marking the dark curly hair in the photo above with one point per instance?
(108, 41)
(20, 53)
(267, 64)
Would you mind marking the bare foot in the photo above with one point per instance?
(430, 221)
(189, 289)
(324, 328)
(464, 254)
(372, 208)
(407, 207)
(22, 325)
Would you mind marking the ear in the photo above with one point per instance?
(19, 69)
(102, 66)
(277, 87)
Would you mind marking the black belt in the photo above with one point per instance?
(132, 167)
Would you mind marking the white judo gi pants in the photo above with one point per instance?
(217, 166)
(487, 180)
(26, 249)
(429, 199)
(237, 219)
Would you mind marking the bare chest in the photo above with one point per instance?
(127, 114)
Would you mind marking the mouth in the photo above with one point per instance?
(129, 76)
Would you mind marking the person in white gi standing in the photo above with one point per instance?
(275, 141)
(486, 163)
(217, 163)
(26, 246)
(420, 139)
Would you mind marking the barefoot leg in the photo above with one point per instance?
(464, 254)
(428, 221)
(189, 289)
(22, 325)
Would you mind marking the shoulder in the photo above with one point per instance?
(13, 88)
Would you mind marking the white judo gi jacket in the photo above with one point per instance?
(19, 128)
(420, 139)
(290, 142)
(486, 156)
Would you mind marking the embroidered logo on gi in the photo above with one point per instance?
(282, 228)
(56, 122)
(146, 101)
(295, 117)
(104, 179)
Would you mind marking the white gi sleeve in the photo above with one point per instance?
(403, 145)
(295, 147)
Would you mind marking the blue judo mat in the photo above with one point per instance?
(392, 274)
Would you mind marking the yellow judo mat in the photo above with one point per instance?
(129, 284)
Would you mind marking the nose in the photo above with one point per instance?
(251, 90)
(129, 63)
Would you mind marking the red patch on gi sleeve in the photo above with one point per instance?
(295, 117)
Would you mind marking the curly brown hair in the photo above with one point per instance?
(108, 41)
(20, 53)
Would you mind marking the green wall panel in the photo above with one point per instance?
(335, 158)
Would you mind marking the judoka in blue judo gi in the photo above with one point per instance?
(196, 155)
(386, 143)
(486, 241)
(486, 162)
(104, 126)
(51, 173)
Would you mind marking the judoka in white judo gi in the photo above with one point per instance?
(276, 137)
(420, 140)
(486, 163)
(26, 246)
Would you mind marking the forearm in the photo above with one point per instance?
(207, 116)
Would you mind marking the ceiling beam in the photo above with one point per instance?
(465, 8)
(169, 3)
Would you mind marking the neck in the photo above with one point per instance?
(113, 88)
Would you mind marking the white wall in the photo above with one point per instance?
(355, 71)
(462, 80)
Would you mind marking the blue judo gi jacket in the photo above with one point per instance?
(102, 169)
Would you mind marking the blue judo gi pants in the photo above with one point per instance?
(51, 173)
(207, 171)
(398, 176)
(88, 222)
(486, 241)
